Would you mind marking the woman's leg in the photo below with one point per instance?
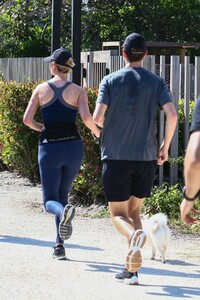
(50, 174)
(59, 164)
(72, 160)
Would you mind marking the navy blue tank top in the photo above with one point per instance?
(59, 118)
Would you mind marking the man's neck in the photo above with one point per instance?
(135, 64)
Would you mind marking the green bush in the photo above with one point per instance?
(181, 116)
(19, 143)
(88, 185)
(181, 148)
(164, 198)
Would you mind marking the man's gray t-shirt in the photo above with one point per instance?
(132, 96)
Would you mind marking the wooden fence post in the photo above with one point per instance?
(187, 78)
(174, 87)
(161, 121)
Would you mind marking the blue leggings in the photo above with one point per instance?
(59, 164)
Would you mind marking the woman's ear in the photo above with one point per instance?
(53, 68)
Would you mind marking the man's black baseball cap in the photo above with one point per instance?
(134, 43)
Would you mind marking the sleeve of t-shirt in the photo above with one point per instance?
(164, 93)
(104, 94)
(195, 126)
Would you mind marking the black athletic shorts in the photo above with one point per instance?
(125, 178)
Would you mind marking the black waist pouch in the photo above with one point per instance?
(59, 133)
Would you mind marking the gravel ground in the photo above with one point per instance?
(95, 253)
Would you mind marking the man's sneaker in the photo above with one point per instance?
(128, 277)
(65, 226)
(134, 258)
(59, 252)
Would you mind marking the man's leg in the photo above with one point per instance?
(138, 238)
(120, 218)
(125, 222)
(126, 216)
(121, 221)
(118, 182)
(134, 211)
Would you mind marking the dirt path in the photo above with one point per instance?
(95, 253)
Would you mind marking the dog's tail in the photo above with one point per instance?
(158, 220)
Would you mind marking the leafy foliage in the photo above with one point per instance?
(159, 20)
(167, 199)
(181, 147)
(182, 122)
(100, 22)
(88, 184)
(25, 28)
(164, 198)
(26, 25)
(181, 113)
(19, 151)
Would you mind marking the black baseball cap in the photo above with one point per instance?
(60, 57)
(134, 43)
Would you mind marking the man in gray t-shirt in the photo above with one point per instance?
(126, 108)
(132, 96)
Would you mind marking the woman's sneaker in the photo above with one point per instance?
(128, 277)
(59, 252)
(65, 226)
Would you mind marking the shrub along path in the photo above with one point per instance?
(95, 253)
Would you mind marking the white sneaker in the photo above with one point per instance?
(127, 277)
(131, 281)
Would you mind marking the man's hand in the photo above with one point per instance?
(162, 156)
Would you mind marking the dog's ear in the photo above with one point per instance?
(142, 216)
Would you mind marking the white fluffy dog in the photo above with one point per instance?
(158, 234)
